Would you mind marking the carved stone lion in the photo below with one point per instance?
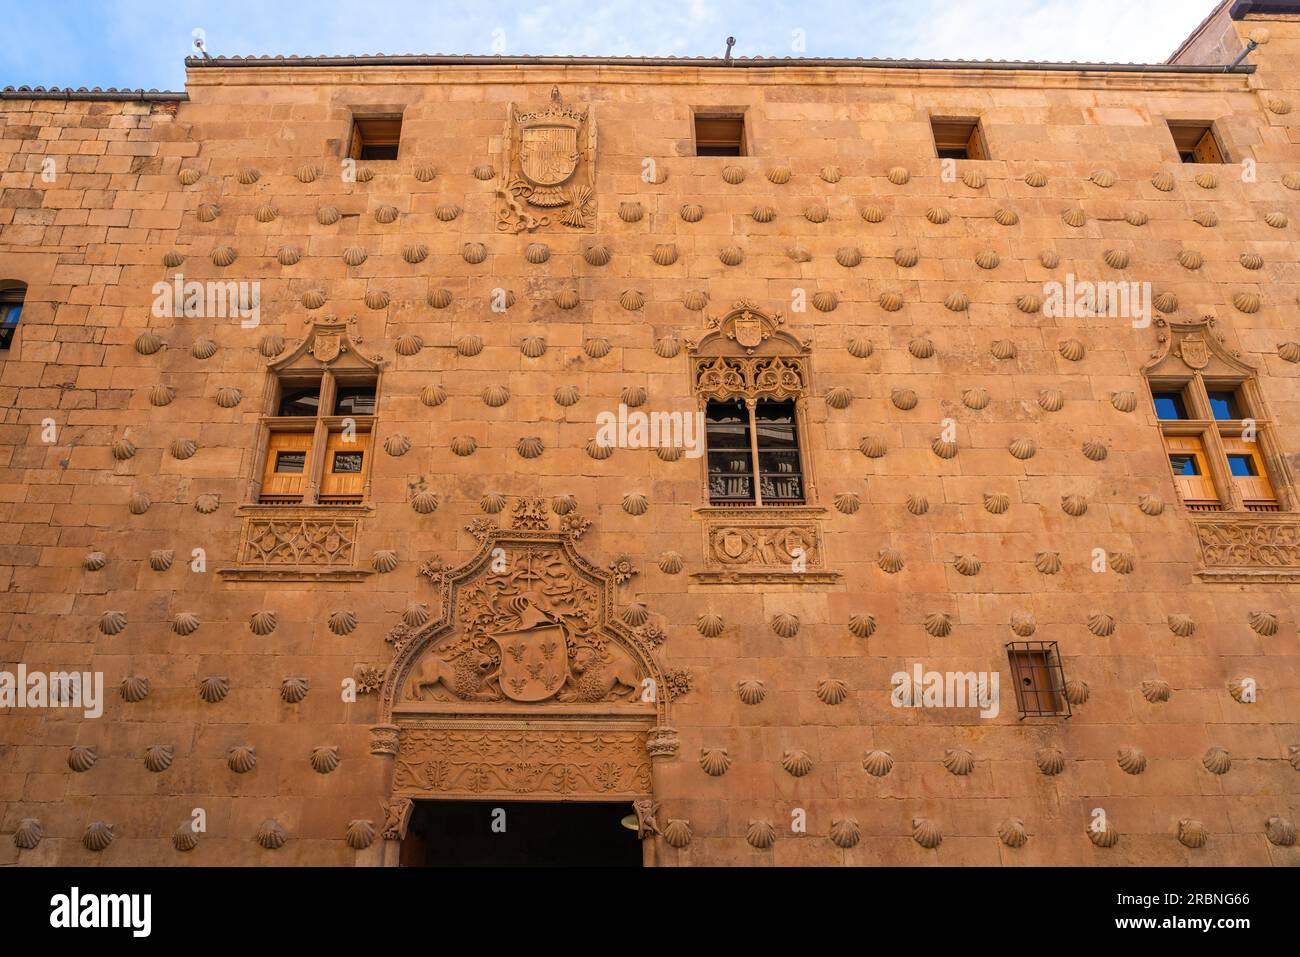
(594, 680)
(467, 676)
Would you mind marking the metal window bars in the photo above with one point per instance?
(1039, 679)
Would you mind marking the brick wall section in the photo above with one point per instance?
(90, 247)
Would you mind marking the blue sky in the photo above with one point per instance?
(141, 43)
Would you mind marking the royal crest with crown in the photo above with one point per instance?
(548, 169)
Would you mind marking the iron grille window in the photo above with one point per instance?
(1039, 679)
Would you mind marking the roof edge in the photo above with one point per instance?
(111, 94)
(380, 59)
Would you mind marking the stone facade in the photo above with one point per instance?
(767, 637)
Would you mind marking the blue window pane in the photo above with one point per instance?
(1169, 405)
(1243, 465)
(1184, 465)
(1224, 405)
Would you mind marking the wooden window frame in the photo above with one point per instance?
(971, 139)
(743, 145)
(1199, 137)
(358, 139)
(321, 426)
(1219, 437)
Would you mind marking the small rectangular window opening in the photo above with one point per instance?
(719, 134)
(1038, 678)
(376, 137)
(959, 138)
(1197, 142)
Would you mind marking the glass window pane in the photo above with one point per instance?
(1184, 465)
(347, 463)
(731, 465)
(1169, 405)
(1242, 465)
(304, 401)
(779, 469)
(355, 400)
(1224, 405)
(290, 463)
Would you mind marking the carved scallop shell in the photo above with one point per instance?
(242, 758)
(270, 835)
(760, 834)
(1277, 829)
(294, 689)
(785, 625)
(926, 833)
(1207, 218)
(967, 565)
(94, 561)
(1184, 626)
(797, 763)
(262, 622)
(134, 689)
(862, 626)
(816, 213)
(1131, 760)
(1104, 836)
(890, 560)
(266, 213)
(1029, 303)
(1006, 217)
(377, 299)
(996, 503)
(148, 342)
(872, 446)
(360, 834)
(630, 212)
(1155, 690)
(1023, 623)
(1247, 302)
(956, 302)
(409, 344)
(848, 256)
(492, 502)
(830, 174)
(1290, 351)
(384, 560)
(988, 259)
(1095, 450)
(183, 448)
(937, 624)
(1291, 180)
(1012, 833)
(271, 346)
(433, 395)
(365, 174)
(1135, 217)
(342, 622)
(188, 176)
(597, 255)
(1163, 181)
(1003, 349)
(731, 255)
(138, 503)
(847, 503)
(1216, 760)
(938, 215)
(1263, 623)
(123, 449)
(328, 215)
(832, 691)
(425, 502)
(1036, 179)
(918, 504)
(709, 625)
(1072, 349)
(715, 762)
(878, 763)
(671, 563)
(1051, 761)
(1190, 259)
(98, 836)
(112, 622)
(1074, 217)
(598, 451)
(695, 299)
(898, 175)
(845, 833)
(779, 175)
(324, 759)
(473, 253)
(890, 301)
(224, 256)
(751, 691)
(1077, 692)
(921, 348)
(496, 396)
(667, 347)
(1166, 302)
(976, 398)
(872, 213)
(760, 214)
(469, 345)
(566, 395)
(1048, 563)
(636, 614)
(860, 348)
(214, 688)
(959, 761)
(1103, 178)
(158, 757)
(1192, 833)
(1124, 401)
(1049, 259)
(973, 178)
(634, 503)
(677, 833)
(485, 172)
(208, 212)
(1277, 219)
(1242, 690)
(734, 175)
(207, 503)
(1116, 258)
(534, 347)
(82, 758)
(1023, 448)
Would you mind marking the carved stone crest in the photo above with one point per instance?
(548, 169)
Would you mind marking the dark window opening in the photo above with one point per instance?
(1196, 142)
(779, 469)
(521, 834)
(303, 401)
(731, 456)
(376, 137)
(719, 134)
(290, 463)
(1170, 405)
(355, 400)
(347, 463)
(11, 309)
(1038, 678)
(1225, 406)
(959, 138)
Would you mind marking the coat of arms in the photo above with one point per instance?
(549, 169)
(1195, 352)
(534, 654)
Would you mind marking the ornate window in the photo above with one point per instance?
(1223, 451)
(318, 425)
(751, 378)
(12, 295)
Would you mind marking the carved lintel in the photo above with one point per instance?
(298, 543)
(769, 544)
(384, 739)
(1256, 548)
